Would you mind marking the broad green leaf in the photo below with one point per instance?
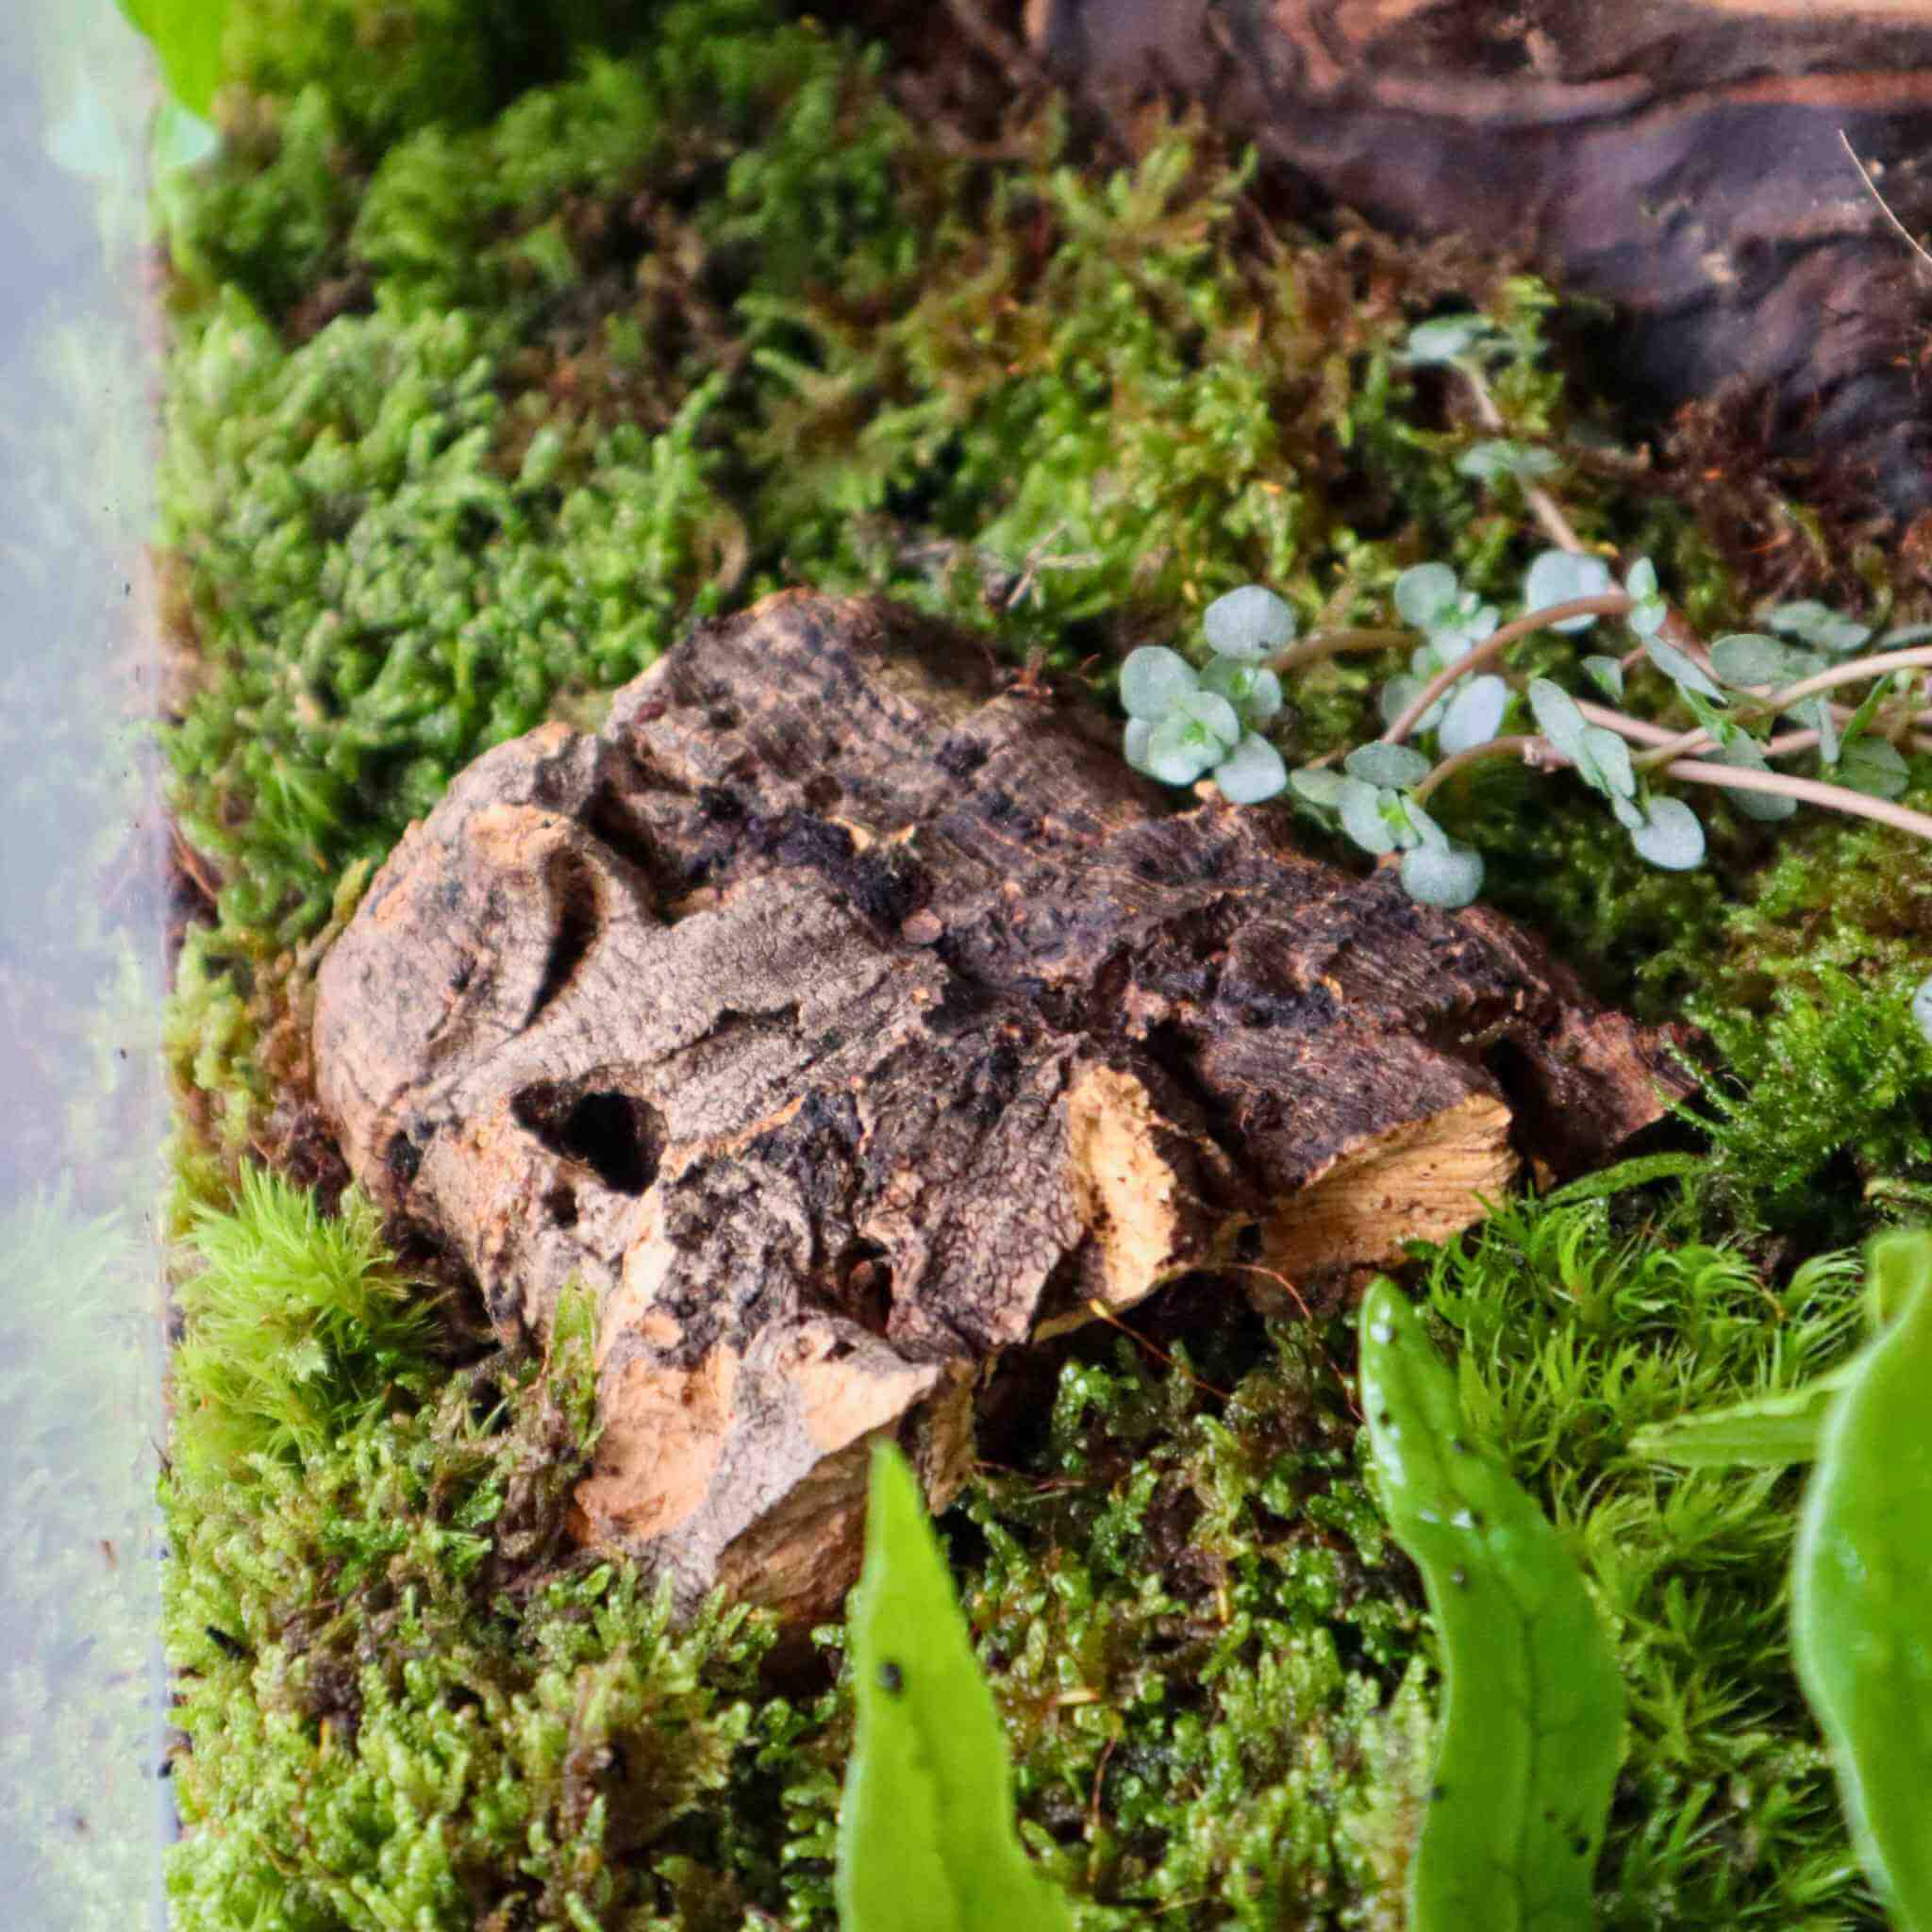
(1861, 1594)
(187, 37)
(1532, 1702)
(925, 1838)
(1771, 1432)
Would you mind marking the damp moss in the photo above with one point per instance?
(401, 1702)
(499, 354)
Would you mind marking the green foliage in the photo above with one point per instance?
(296, 1328)
(925, 1835)
(399, 1707)
(1861, 1592)
(187, 36)
(494, 362)
(1572, 1340)
(1532, 1705)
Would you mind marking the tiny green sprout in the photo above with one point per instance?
(1648, 610)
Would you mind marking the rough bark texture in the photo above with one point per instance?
(844, 1019)
(1680, 159)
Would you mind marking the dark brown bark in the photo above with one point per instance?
(1680, 159)
(844, 1019)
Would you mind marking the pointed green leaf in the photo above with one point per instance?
(926, 1831)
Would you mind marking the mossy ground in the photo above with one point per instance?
(498, 357)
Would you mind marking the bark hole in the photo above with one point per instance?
(619, 1139)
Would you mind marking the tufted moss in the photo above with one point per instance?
(501, 350)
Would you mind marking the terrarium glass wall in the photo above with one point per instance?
(81, 1717)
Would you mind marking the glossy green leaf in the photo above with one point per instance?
(1532, 1702)
(926, 1831)
(187, 36)
(1861, 1597)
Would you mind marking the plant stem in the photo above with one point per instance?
(1489, 748)
(1608, 604)
(1333, 643)
(1534, 749)
(1807, 790)
(1773, 702)
(1543, 505)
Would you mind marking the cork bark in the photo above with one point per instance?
(845, 1018)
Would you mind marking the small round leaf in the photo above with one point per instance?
(1362, 818)
(1558, 576)
(1179, 751)
(1319, 786)
(1447, 875)
(1424, 591)
(1922, 1009)
(1558, 718)
(1252, 690)
(1134, 747)
(1396, 766)
(1671, 836)
(1152, 678)
(1247, 623)
(1606, 762)
(1252, 772)
(1742, 750)
(1474, 716)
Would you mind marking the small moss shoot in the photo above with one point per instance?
(500, 353)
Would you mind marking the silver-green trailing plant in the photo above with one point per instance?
(1758, 701)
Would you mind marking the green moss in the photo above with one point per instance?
(487, 378)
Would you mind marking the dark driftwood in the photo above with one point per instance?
(845, 1019)
(1678, 157)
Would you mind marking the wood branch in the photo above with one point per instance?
(1681, 159)
(844, 1018)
